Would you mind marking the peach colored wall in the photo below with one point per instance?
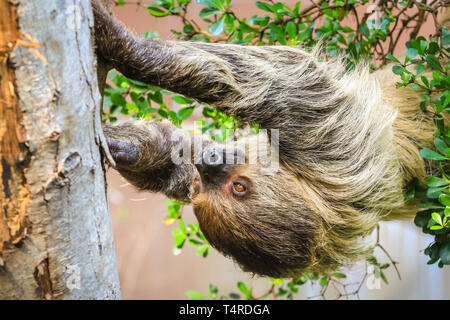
(149, 270)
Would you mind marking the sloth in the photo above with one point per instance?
(348, 145)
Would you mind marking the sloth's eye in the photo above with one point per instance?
(239, 189)
(196, 185)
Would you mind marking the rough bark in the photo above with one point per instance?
(55, 230)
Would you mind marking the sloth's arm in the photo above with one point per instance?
(182, 69)
(257, 84)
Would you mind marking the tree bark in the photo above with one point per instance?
(55, 229)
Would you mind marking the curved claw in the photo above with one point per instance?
(124, 153)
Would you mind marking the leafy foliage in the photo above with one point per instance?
(373, 36)
(426, 56)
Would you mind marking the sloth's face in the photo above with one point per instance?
(254, 215)
(244, 214)
(218, 169)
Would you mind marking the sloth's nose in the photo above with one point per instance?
(212, 166)
(217, 163)
(213, 157)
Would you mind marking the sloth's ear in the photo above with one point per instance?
(124, 153)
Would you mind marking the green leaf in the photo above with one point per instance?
(433, 62)
(420, 68)
(372, 260)
(156, 11)
(263, 6)
(411, 53)
(436, 182)
(174, 209)
(423, 44)
(195, 295)
(182, 226)
(347, 29)
(383, 277)
(422, 218)
(243, 288)
(447, 100)
(444, 199)
(436, 217)
(188, 29)
(203, 251)
(185, 113)
(433, 48)
(291, 29)
(157, 97)
(377, 272)
(234, 296)
(431, 155)
(364, 30)
(428, 205)
(117, 99)
(339, 275)
(151, 35)
(218, 4)
(434, 193)
(206, 12)
(139, 100)
(425, 81)
(277, 33)
(323, 281)
(433, 251)
(440, 145)
(217, 27)
(392, 58)
(179, 240)
(444, 252)
(446, 40)
(397, 70)
(193, 242)
(177, 232)
(447, 211)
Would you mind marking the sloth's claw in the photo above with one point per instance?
(124, 153)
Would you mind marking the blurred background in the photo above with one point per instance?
(148, 269)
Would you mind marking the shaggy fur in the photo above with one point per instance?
(349, 143)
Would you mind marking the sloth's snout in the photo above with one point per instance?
(216, 163)
(211, 166)
(213, 157)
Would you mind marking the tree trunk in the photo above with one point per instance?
(55, 229)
